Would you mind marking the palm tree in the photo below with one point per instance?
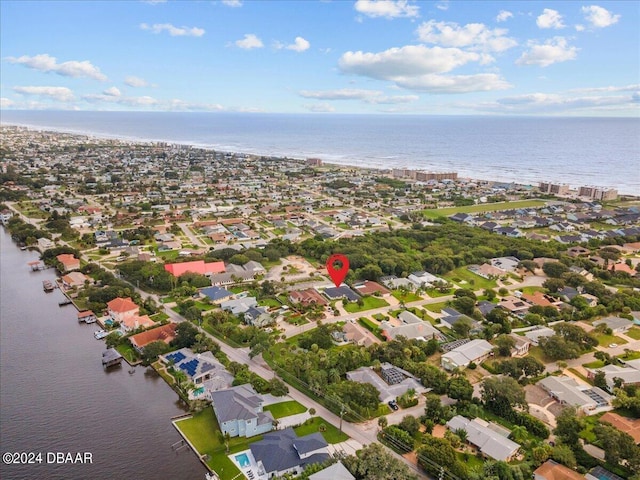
(518, 433)
(462, 434)
(383, 422)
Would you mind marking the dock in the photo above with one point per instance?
(37, 265)
(111, 357)
(48, 286)
(65, 302)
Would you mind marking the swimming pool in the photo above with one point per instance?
(243, 460)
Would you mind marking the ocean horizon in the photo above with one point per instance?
(577, 151)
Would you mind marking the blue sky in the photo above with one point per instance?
(341, 56)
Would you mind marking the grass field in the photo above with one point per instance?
(331, 434)
(436, 307)
(203, 432)
(407, 297)
(486, 207)
(634, 333)
(605, 340)
(470, 279)
(128, 352)
(284, 409)
(369, 304)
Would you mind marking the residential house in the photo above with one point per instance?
(521, 348)
(357, 335)
(486, 271)
(258, 317)
(239, 305)
(371, 288)
(551, 470)
(239, 412)
(282, 452)
(203, 369)
(508, 264)
(343, 291)
(568, 391)
(423, 279)
(337, 471)
(567, 293)
(5, 216)
(475, 351)
(616, 324)
(197, 266)
(216, 294)
(491, 439)
(403, 381)
(126, 313)
(75, 279)
(514, 305)
(630, 426)
(627, 375)
(45, 244)
(307, 297)
(165, 333)
(451, 316)
(537, 333)
(69, 262)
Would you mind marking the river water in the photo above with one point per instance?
(56, 397)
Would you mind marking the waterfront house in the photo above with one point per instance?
(239, 412)
(490, 439)
(165, 333)
(284, 452)
(75, 279)
(69, 262)
(203, 369)
(120, 308)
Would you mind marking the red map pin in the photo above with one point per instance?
(337, 274)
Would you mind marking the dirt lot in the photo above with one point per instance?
(537, 395)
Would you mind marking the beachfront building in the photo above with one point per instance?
(239, 412)
(127, 314)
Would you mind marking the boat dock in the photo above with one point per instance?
(37, 265)
(111, 357)
(48, 286)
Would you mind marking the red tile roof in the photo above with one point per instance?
(624, 424)
(166, 333)
(198, 266)
(551, 470)
(122, 305)
(370, 287)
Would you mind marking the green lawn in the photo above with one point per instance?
(203, 432)
(536, 352)
(369, 304)
(159, 317)
(270, 302)
(634, 333)
(487, 207)
(435, 307)
(594, 364)
(331, 434)
(284, 409)
(630, 356)
(470, 279)
(406, 297)
(128, 352)
(606, 340)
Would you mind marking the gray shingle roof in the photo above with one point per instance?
(277, 453)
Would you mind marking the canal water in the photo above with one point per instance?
(56, 397)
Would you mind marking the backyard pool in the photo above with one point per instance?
(243, 460)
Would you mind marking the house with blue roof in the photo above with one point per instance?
(216, 294)
(203, 369)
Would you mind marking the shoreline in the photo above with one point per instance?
(328, 160)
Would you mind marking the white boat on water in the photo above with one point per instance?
(100, 334)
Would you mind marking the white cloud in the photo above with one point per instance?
(181, 105)
(154, 2)
(368, 96)
(599, 17)
(410, 60)
(611, 88)
(443, 5)
(555, 103)
(6, 102)
(554, 50)
(503, 16)
(387, 8)
(320, 108)
(144, 101)
(299, 45)
(173, 30)
(550, 19)
(72, 68)
(62, 94)
(112, 91)
(232, 3)
(473, 35)
(249, 41)
(136, 81)
(482, 82)
(579, 28)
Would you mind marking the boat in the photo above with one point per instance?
(47, 286)
(100, 334)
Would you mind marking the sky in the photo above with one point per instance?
(575, 58)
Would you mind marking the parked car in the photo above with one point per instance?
(393, 405)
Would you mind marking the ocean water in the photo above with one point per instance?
(578, 151)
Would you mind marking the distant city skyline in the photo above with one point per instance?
(576, 58)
